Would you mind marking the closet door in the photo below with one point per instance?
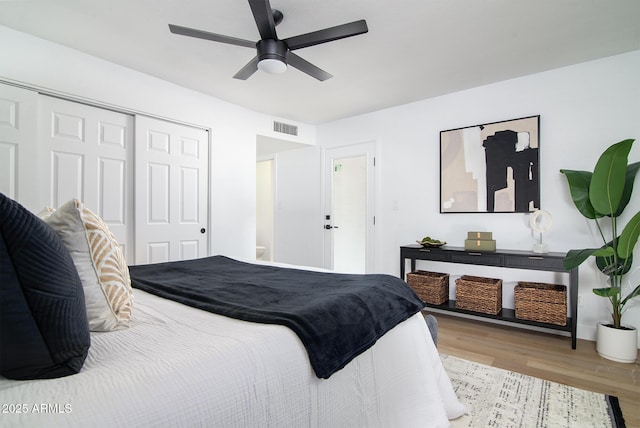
(171, 191)
(18, 145)
(86, 153)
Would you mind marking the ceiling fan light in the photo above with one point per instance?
(272, 66)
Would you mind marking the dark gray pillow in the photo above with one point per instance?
(432, 323)
(44, 331)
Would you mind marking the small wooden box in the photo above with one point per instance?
(541, 302)
(431, 287)
(480, 244)
(479, 235)
(479, 294)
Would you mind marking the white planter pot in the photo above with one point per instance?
(617, 344)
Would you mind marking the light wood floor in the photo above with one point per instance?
(542, 355)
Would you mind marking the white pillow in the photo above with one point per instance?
(46, 212)
(100, 263)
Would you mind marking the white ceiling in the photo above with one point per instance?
(415, 49)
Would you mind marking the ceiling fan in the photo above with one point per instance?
(274, 54)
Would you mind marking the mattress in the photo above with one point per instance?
(336, 316)
(180, 366)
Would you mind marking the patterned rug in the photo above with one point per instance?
(501, 398)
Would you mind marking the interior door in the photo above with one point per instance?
(171, 188)
(85, 153)
(349, 208)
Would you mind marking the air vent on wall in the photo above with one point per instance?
(285, 128)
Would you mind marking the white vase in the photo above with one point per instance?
(617, 344)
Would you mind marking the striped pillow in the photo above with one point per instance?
(100, 264)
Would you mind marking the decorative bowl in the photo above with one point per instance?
(431, 244)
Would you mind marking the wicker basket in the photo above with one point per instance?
(541, 302)
(431, 287)
(479, 294)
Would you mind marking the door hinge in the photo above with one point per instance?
(374, 220)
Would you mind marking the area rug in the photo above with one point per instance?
(502, 398)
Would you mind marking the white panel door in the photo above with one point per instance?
(350, 208)
(86, 153)
(171, 191)
(349, 213)
(18, 145)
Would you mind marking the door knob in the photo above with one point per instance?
(203, 230)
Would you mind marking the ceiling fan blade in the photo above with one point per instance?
(263, 15)
(327, 35)
(192, 32)
(306, 67)
(246, 71)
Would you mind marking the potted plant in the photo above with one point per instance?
(602, 196)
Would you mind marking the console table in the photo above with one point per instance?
(505, 259)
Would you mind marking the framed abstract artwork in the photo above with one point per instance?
(491, 168)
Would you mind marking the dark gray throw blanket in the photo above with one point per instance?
(336, 316)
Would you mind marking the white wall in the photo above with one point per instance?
(299, 213)
(583, 108)
(40, 64)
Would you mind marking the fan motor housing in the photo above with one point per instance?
(272, 49)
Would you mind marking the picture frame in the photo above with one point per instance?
(491, 168)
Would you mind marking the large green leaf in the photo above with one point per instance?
(607, 292)
(579, 189)
(608, 180)
(630, 178)
(574, 258)
(629, 236)
(606, 251)
(606, 260)
(608, 266)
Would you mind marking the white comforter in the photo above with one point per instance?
(178, 366)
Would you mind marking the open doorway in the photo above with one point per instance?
(265, 210)
(268, 149)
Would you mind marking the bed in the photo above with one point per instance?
(164, 363)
